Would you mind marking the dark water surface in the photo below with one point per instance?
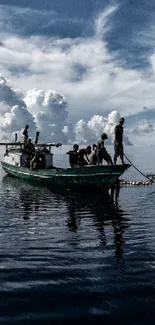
(68, 257)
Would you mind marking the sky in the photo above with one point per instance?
(71, 68)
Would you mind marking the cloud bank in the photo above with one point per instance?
(73, 89)
(46, 111)
(144, 127)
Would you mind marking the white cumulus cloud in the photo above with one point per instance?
(91, 131)
(13, 111)
(91, 77)
(49, 109)
(46, 111)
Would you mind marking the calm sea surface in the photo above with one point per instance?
(68, 257)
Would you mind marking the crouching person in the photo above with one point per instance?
(83, 158)
(94, 156)
(102, 152)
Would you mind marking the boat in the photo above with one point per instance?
(15, 163)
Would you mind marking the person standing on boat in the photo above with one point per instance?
(35, 160)
(118, 141)
(30, 148)
(73, 156)
(25, 133)
(102, 152)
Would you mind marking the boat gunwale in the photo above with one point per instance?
(62, 171)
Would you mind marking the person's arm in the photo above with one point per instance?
(92, 159)
(70, 152)
(87, 159)
(102, 144)
(99, 144)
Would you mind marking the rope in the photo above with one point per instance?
(138, 169)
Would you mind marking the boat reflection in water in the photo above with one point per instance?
(80, 211)
(104, 211)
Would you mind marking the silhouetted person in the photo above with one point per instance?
(73, 156)
(83, 156)
(118, 141)
(102, 152)
(94, 156)
(35, 160)
(25, 133)
(30, 149)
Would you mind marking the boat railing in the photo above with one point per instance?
(14, 145)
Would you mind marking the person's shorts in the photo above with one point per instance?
(118, 149)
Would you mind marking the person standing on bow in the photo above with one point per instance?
(118, 141)
(25, 133)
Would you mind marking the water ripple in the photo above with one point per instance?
(66, 255)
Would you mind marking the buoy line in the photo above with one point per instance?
(149, 182)
(124, 182)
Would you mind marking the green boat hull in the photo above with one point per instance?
(90, 176)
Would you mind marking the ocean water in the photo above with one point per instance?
(68, 257)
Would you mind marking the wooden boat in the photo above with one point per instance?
(15, 164)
